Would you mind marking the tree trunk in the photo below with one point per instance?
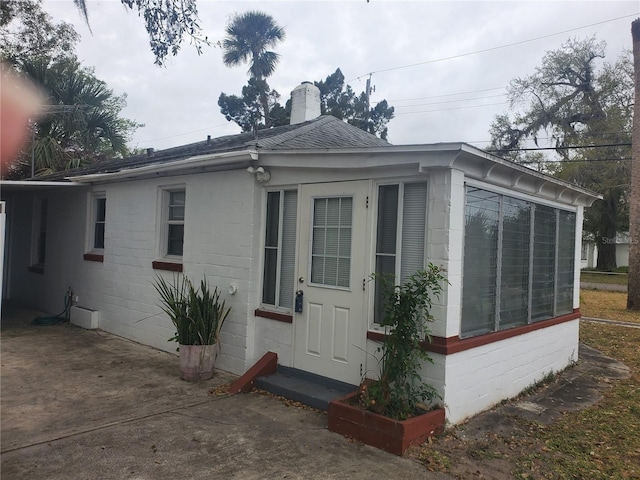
(264, 101)
(606, 241)
(633, 298)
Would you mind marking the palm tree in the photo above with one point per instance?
(249, 36)
(81, 121)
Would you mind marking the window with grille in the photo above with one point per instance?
(99, 221)
(331, 241)
(175, 208)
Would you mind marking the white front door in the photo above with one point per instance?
(330, 332)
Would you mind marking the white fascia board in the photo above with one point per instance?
(200, 161)
(527, 171)
(446, 155)
(31, 185)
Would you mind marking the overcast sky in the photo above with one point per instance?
(178, 103)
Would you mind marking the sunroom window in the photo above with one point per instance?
(518, 262)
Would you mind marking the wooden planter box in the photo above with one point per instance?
(394, 436)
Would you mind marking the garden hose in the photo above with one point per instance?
(62, 317)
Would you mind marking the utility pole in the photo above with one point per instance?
(367, 92)
(633, 296)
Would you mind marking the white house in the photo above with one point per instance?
(316, 207)
(589, 257)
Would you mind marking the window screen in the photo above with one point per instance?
(518, 262)
(480, 261)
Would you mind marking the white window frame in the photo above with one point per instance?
(584, 251)
(281, 204)
(92, 218)
(399, 229)
(38, 226)
(162, 235)
(311, 240)
(557, 207)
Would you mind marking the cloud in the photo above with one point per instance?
(178, 103)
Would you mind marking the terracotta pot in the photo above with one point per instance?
(197, 361)
(394, 436)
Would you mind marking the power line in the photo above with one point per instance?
(585, 134)
(492, 48)
(448, 101)
(604, 145)
(575, 161)
(447, 94)
(453, 108)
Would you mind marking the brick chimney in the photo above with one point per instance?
(305, 103)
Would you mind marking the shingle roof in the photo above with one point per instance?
(323, 132)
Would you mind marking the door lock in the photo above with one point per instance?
(298, 305)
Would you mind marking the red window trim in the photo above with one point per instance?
(94, 257)
(280, 317)
(455, 344)
(169, 266)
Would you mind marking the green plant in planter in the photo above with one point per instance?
(406, 310)
(197, 314)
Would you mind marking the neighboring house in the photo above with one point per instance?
(589, 256)
(316, 207)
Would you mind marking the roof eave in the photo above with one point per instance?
(197, 163)
(35, 185)
(486, 167)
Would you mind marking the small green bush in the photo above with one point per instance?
(197, 314)
(400, 389)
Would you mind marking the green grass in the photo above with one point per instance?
(610, 279)
(607, 305)
(600, 442)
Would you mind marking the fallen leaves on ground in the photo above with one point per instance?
(599, 442)
(220, 390)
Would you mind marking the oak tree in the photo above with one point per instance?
(582, 106)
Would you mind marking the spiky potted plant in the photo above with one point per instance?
(396, 410)
(198, 315)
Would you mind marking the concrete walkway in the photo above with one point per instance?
(611, 322)
(611, 287)
(89, 405)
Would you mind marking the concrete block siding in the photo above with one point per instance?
(223, 240)
(479, 378)
(274, 336)
(219, 238)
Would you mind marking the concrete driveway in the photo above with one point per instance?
(78, 404)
